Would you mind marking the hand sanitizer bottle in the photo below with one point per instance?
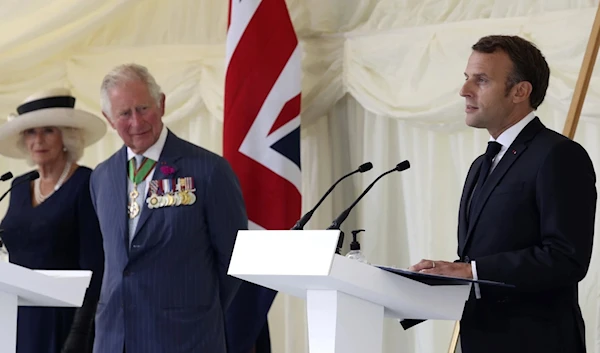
(355, 252)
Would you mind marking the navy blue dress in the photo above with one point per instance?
(62, 233)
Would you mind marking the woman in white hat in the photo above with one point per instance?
(51, 223)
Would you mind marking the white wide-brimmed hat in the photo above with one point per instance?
(53, 107)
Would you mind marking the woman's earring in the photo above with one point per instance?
(64, 149)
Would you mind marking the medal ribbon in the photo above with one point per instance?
(139, 175)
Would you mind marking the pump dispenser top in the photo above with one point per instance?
(355, 245)
(355, 252)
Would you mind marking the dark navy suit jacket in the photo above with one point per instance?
(533, 227)
(169, 291)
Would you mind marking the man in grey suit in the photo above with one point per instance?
(169, 213)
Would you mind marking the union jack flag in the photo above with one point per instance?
(261, 135)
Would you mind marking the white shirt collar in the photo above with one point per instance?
(508, 137)
(155, 150)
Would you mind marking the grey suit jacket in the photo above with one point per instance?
(169, 291)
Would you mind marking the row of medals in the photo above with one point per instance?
(178, 198)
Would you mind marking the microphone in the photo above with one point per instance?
(31, 176)
(342, 217)
(6, 176)
(308, 215)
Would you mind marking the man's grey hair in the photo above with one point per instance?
(72, 139)
(127, 73)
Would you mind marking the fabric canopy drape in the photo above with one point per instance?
(380, 84)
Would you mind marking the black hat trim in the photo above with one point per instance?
(45, 103)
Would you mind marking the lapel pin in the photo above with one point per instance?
(514, 151)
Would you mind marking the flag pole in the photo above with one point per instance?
(583, 81)
(454, 340)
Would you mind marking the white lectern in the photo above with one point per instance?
(20, 286)
(346, 300)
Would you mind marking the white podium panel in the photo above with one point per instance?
(338, 290)
(20, 286)
(338, 322)
(8, 322)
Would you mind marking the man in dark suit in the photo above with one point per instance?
(169, 212)
(526, 214)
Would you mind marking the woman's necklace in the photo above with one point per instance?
(39, 198)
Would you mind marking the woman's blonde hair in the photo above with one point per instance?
(72, 139)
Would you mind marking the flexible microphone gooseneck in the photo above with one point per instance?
(31, 176)
(342, 217)
(308, 215)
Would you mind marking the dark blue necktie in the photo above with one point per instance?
(492, 150)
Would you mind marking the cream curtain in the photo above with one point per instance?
(380, 84)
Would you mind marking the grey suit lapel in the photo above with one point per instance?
(118, 193)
